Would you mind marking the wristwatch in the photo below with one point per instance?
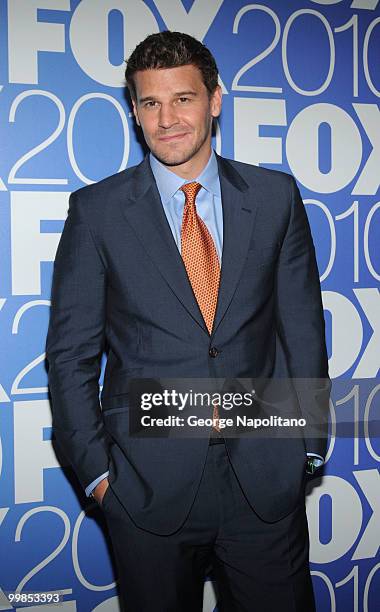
(312, 464)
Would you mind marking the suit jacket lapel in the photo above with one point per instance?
(146, 215)
(239, 211)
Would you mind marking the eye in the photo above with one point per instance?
(183, 99)
(150, 104)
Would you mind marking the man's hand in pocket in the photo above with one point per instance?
(100, 490)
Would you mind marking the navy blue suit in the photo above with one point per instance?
(120, 285)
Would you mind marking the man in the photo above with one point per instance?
(189, 266)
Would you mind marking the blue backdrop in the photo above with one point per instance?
(301, 81)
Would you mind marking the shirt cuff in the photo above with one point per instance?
(92, 485)
(317, 459)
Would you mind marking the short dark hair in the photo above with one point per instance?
(169, 50)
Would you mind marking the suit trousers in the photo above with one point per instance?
(257, 566)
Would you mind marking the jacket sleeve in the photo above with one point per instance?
(74, 346)
(301, 325)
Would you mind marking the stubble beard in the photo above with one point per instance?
(177, 158)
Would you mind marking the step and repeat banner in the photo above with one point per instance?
(301, 84)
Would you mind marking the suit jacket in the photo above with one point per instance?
(119, 284)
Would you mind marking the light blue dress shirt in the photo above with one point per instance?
(208, 202)
(209, 208)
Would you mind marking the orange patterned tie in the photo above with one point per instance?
(201, 261)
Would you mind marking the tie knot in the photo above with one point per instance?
(191, 190)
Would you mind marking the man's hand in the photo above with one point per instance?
(100, 490)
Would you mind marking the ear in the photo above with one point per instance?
(216, 101)
(134, 105)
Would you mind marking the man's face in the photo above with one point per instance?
(175, 112)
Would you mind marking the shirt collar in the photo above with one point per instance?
(168, 182)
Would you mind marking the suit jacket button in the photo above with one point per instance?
(213, 351)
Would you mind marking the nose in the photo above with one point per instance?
(167, 117)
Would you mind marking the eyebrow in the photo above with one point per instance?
(178, 94)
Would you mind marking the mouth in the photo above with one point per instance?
(172, 137)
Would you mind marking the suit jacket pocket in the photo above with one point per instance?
(107, 411)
